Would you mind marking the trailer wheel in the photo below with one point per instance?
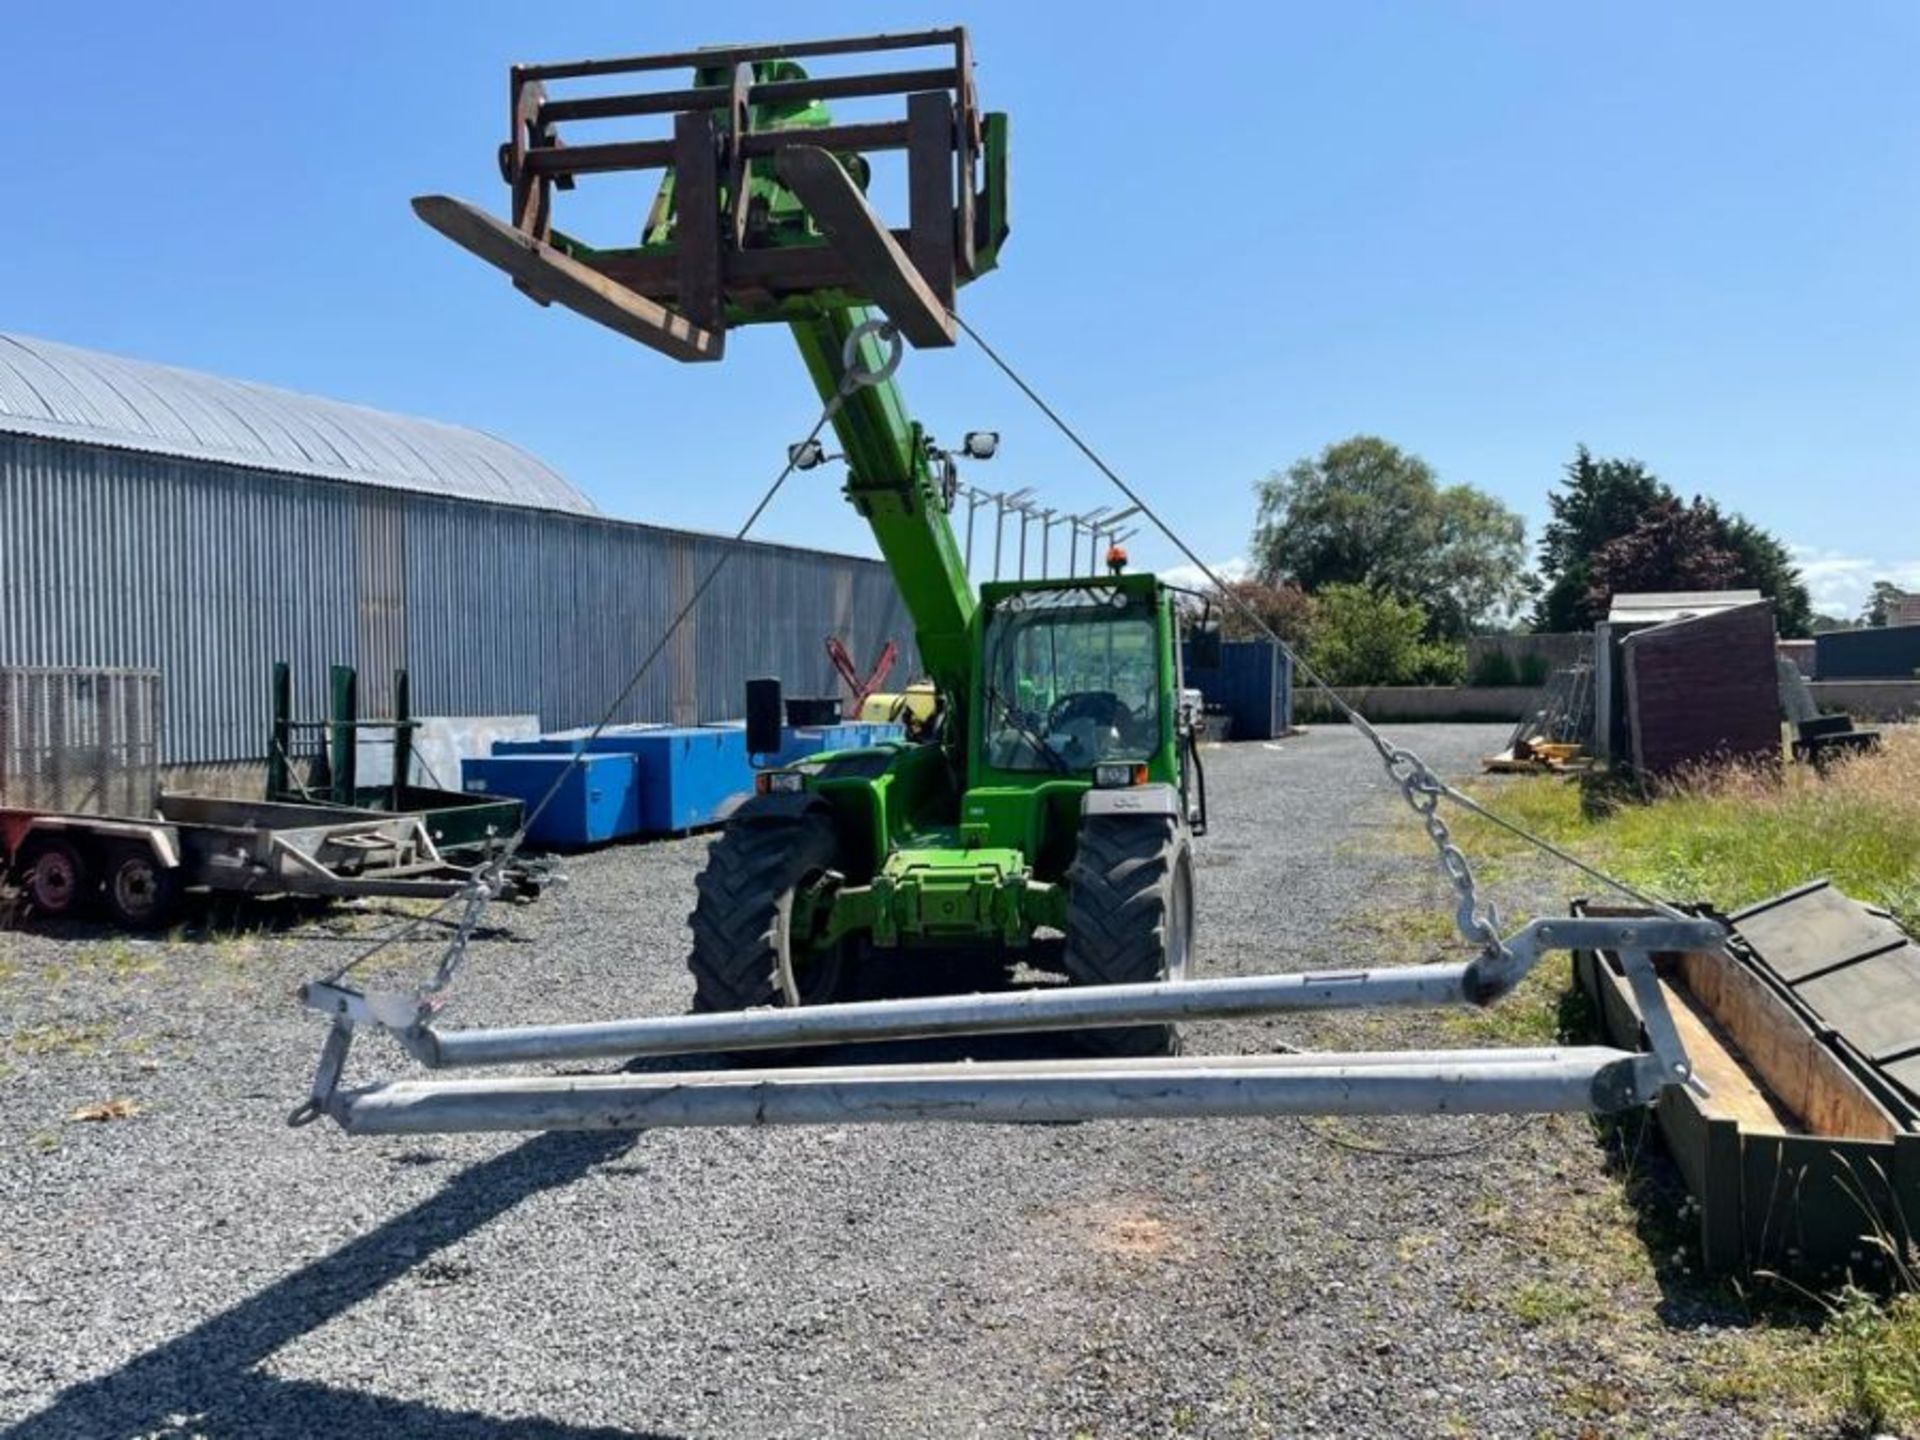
(1130, 918)
(745, 953)
(55, 876)
(140, 892)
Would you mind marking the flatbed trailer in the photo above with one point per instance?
(140, 867)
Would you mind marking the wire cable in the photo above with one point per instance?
(476, 896)
(1313, 678)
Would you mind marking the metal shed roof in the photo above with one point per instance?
(62, 392)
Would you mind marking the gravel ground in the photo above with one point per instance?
(198, 1268)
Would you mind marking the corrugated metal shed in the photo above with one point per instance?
(154, 518)
(113, 558)
(62, 392)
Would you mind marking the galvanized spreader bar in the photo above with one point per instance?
(1478, 1081)
(1387, 1083)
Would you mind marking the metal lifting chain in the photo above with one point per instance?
(490, 877)
(1478, 923)
(1423, 790)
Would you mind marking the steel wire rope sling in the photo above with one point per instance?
(1478, 923)
(485, 885)
(1377, 1083)
(1422, 789)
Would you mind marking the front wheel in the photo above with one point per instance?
(749, 942)
(1130, 917)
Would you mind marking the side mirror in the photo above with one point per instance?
(765, 710)
(1203, 648)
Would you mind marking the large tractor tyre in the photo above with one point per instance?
(54, 875)
(744, 954)
(1130, 918)
(139, 891)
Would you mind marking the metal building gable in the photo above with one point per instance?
(61, 392)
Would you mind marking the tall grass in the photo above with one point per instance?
(1731, 836)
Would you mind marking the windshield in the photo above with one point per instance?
(1072, 678)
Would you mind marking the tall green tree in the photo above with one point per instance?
(1880, 602)
(1367, 637)
(1364, 512)
(1598, 501)
(1673, 547)
(1766, 566)
(1620, 509)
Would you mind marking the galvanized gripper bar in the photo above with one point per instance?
(1424, 1082)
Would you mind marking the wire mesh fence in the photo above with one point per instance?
(80, 741)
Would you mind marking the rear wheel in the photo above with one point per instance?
(749, 942)
(1130, 917)
(140, 892)
(54, 876)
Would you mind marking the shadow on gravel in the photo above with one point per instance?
(207, 1381)
(219, 919)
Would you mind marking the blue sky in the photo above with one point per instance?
(1686, 233)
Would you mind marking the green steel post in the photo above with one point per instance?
(402, 740)
(342, 703)
(280, 746)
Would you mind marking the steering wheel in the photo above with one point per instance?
(1102, 707)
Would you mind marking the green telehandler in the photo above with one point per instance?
(1060, 786)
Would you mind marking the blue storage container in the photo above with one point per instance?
(803, 740)
(1883, 652)
(689, 777)
(1253, 683)
(568, 742)
(598, 799)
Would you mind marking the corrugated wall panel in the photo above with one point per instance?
(209, 573)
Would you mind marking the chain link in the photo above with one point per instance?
(1479, 923)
